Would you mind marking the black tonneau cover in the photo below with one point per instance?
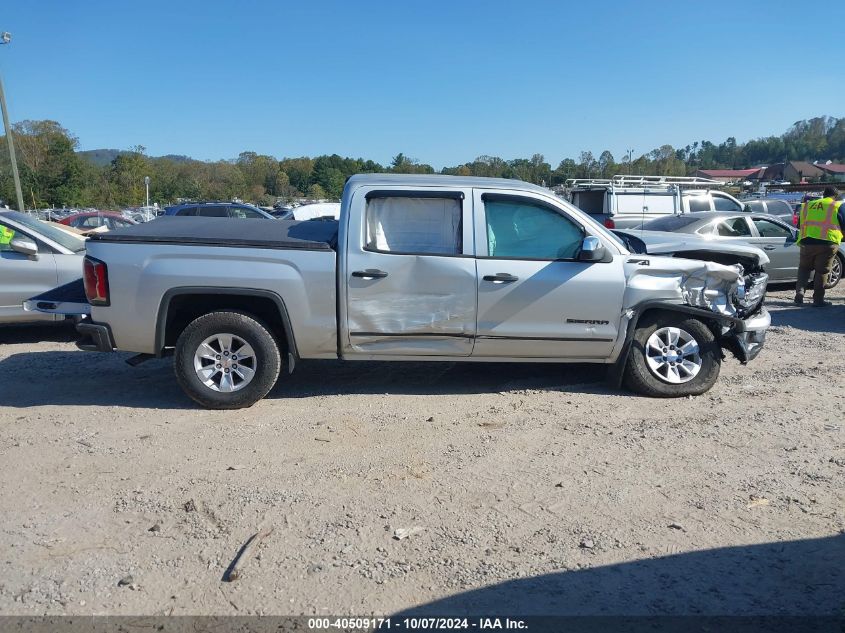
(312, 235)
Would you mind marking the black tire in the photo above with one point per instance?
(641, 379)
(268, 360)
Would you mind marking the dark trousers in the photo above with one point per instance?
(815, 258)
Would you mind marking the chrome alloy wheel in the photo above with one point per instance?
(225, 362)
(835, 273)
(673, 355)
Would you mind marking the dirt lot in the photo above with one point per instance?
(119, 496)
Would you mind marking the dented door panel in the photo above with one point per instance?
(425, 305)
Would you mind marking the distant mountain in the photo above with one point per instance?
(104, 157)
(100, 157)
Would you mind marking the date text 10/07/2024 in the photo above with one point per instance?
(416, 624)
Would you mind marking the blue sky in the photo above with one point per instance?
(442, 82)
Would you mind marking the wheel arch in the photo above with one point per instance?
(179, 306)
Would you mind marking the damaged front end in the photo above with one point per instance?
(723, 295)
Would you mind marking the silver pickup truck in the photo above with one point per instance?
(418, 268)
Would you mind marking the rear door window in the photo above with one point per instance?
(187, 211)
(414, 226)
(213, 212)
(89, 222)
(733, 227)
(244, 212)
(756, 206)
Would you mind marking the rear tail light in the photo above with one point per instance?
(609, 223)
(794, 219)
(96, 278)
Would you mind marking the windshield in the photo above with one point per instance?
(670, 223)
(68, 241)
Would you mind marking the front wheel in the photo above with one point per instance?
(672, 356)
(226, 360)
(835, 274)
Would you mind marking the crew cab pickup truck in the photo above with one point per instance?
(418, 268)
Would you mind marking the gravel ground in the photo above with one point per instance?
(534, 488)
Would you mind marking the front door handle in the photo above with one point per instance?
(370, 273)
(501, 278)
(769, 248)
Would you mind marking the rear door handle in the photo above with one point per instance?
(370, 273)
(501, 278)
(769, 248)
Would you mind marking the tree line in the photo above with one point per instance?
(54, 174)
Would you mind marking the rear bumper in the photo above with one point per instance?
(749, 336)
(96, 337)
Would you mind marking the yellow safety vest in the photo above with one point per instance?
(6, 235)
(819, 219)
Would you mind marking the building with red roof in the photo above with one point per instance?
(728, 175)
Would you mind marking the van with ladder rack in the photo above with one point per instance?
(626, 202)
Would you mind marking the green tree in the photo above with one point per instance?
(51, 172)
(316, 192)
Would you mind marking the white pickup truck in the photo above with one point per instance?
(418, 268)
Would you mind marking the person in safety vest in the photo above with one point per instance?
(6, 235)
(820, 225)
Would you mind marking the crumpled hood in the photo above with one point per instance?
(664, 242)
(703, 284)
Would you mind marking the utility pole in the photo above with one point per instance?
(5, 38)
(147, 186)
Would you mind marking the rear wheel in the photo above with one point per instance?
(672, 356)
(226, 360)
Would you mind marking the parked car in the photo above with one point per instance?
(38, 257)
(777, 207)
(96, 219)
(775, 237)
(317, 211)
(630, 201)
(419, 267)
(218, 210)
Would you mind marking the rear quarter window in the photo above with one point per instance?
(698, 203)
(725, 204)
(778, 207)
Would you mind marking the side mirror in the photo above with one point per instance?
(592, 250)
(24, 246)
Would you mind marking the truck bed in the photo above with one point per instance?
(307, 235)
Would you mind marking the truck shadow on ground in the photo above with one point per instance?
(799, 578)
(83, 378)
(60, 332)
(313, 378)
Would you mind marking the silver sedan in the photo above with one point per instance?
(766, 232)
(38, 257)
